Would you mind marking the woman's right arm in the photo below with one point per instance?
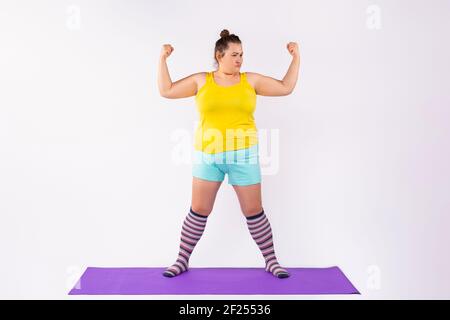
(182, 88)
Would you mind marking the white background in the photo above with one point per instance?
(87, 169)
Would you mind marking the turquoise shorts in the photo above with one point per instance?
(242, 166)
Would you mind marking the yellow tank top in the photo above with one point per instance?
(226, 116)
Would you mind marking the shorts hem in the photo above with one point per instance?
(243, 184)
(208, 179)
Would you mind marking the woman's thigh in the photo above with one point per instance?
(249, 198)
(204, 195)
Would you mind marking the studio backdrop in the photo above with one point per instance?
(95, 166)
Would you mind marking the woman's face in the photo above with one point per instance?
(232, 59)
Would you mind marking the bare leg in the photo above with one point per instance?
(249, 199)
(204, 195)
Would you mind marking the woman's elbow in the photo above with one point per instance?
(286, 92)
(165, 94)
(289, 90)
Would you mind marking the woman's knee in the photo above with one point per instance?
(252, 210)
(201, 209)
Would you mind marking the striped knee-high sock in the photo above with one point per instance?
(259, 227)
(192, 230)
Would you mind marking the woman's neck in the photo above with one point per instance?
(226, 75)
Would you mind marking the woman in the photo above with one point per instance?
(226, 142)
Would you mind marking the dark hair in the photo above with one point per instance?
(222, 43)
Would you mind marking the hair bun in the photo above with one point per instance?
(224, 33)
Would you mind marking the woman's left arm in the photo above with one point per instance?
(268, 86)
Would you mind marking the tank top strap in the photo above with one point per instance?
(208, 77)
(243, 77)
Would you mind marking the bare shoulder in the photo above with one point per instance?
(200, 79)
(252, 78)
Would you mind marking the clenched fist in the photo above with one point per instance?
(293, 48)
(166, 51)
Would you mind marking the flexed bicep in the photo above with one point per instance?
(268, 86)
(183, 88)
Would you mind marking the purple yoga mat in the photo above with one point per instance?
(139, 281)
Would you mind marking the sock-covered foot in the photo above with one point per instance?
(274, 267)
(259, 227)
(193, 226)
(177, 268)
